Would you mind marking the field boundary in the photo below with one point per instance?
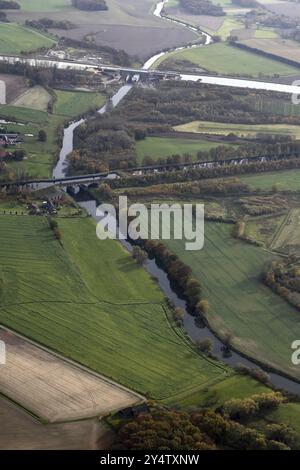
(71, 362)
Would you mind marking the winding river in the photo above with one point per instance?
(193, 331)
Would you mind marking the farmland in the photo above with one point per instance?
(20, 431)
(129, 26)
(15, 38)
(287, 238)
(29, 108)
(31, 373)
(262, 325)
(236, 386)
(36, 97)
(129, 335)
(281, 47)
(74, 103)
(40, 155)
(15, 86)
(157, 147)
(220, 128)
(283, 180)
(225, 59)
(49, 6)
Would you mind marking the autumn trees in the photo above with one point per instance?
(230, 426)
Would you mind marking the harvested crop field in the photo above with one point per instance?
(291, 9)
(208, 22)
(15, 85)
(36, 97)
(21, 431)
(126, 25)
(53, 389)
(241, 130)
(280, 47)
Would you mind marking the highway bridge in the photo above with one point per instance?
(73, 65)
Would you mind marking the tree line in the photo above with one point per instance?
(110, 141)
(228, 426)
(283, 277)
(9, 5)
(43, 24)
(201, 7)
(90, 5)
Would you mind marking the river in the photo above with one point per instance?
(193, 331)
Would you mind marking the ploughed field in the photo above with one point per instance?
(21, 431)
(89, 301)
(129, 25)
(54, 389)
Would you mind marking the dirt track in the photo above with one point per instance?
(54, 389)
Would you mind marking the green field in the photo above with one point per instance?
(236, 386)
(74, 103)
(220, 128)
(43, 6)
(225, 59)
(261, 323)
(40, 156)
(228, 25)
(288, 413)
(157, 147)
(27, 115)
(283, 180)
(91, 302)
(15, 38)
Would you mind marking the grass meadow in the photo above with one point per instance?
(221, 128)
(157, 147)
(89, 301)
(15, 38)
(225, 59)
(261, 324)
(283, 180)
(74, 103)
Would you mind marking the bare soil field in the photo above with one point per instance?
(126, 25)
(285, 48)
(21, 431)
(140, 41)
(211, 23)
(291, 9)
(53, 389)
(36, 97)
(15, 85)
